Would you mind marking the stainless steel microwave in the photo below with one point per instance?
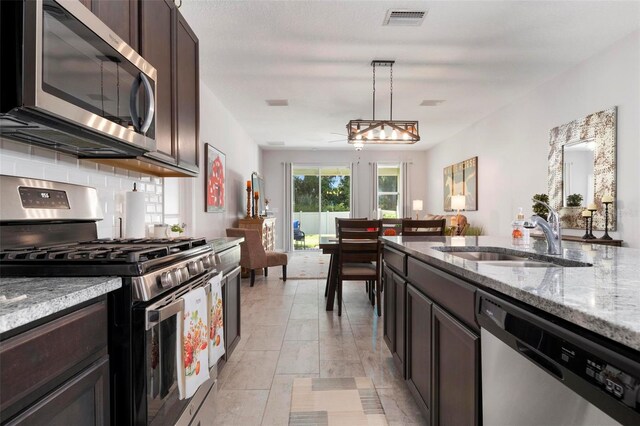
(69, 83)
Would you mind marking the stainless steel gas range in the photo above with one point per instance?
(49, 229)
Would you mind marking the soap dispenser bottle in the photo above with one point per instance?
(519, 234)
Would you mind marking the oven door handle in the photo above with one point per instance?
(156, 316)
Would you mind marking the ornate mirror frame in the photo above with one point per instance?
(601, 128)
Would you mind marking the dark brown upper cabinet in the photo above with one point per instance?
(188, 98)
(119, 15)
(157, 30)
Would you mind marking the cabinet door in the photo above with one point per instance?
(157, 26)
(388, 314)
(82, 400)
(231, 309)
(120, 16)
(187, 94)
(418, 359)
(400, 287)
(456, 360)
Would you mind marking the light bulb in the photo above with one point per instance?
(369, 134)
(394, 134)
(382, 135)
(405, 136)
(358, 137)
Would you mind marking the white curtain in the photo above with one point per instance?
(373, 206)
(353, 202)
(287, 223)
(405, 189)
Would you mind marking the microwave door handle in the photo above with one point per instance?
(133, 106)
(156, 316)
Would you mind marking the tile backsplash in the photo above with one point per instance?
(111, 183)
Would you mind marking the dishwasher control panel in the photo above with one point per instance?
(611, 379)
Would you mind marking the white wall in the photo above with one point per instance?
(19, 159)
(273, 171)
(512, 143)
(221, 130)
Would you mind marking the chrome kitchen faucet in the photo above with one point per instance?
(551, 229)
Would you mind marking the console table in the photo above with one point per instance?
(267, 228)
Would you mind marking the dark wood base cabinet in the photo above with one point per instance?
(394, 323)
(419, 376)
(430, 328)
(456, 379)
(57, 373)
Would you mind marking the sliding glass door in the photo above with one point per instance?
(320, 195)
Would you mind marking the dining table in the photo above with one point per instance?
(329, 245)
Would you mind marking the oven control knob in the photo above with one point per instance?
(182, 275)
(209, 261)
(195, 267)
(167, 279)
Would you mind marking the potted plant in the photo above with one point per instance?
(540, 209)
(570, 215)
(574, 200)
(177, 229)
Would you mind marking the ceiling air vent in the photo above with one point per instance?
(404, 18)
(431, 102)
(277, 102)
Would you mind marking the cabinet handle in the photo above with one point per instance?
(133, 107)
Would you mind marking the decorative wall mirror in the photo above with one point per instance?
(582, 160)
(257, 183)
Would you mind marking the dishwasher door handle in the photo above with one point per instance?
(540, 360)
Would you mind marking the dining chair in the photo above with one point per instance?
(332, 259)
(253, 255)
(359, 252)
(412, 227)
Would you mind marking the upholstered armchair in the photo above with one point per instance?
(253, 255)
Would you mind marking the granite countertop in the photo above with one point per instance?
(46, 296)
(223, 243)
(603, 298)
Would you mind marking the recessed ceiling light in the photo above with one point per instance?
(404, 17)
(275, 143)
(431, 102)
(277, 102)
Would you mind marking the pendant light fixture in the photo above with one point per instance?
(362, 132)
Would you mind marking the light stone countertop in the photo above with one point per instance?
(603, 298)
(46, 296)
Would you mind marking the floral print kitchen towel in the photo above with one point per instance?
(216, 323)
(192, 353)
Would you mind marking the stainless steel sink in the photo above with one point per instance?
(522, 264)
(496, 256)
(481, 256)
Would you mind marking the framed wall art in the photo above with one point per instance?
(461, 179)
(214, 180)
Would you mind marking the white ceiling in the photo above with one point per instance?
(478, 56)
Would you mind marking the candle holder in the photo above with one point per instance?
(249, 202)
(591, 236)
(256, 196)
(606, 221)
(586, 228)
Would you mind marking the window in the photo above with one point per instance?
(389, 191)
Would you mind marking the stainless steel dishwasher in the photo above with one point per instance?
(536, 372)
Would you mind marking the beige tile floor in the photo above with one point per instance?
(286, 333)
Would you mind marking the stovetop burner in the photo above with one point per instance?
(105, 250)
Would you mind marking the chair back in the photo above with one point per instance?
(347, 219)
(392, 226)
(427, 228)
(358, 241)
(252, 253)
